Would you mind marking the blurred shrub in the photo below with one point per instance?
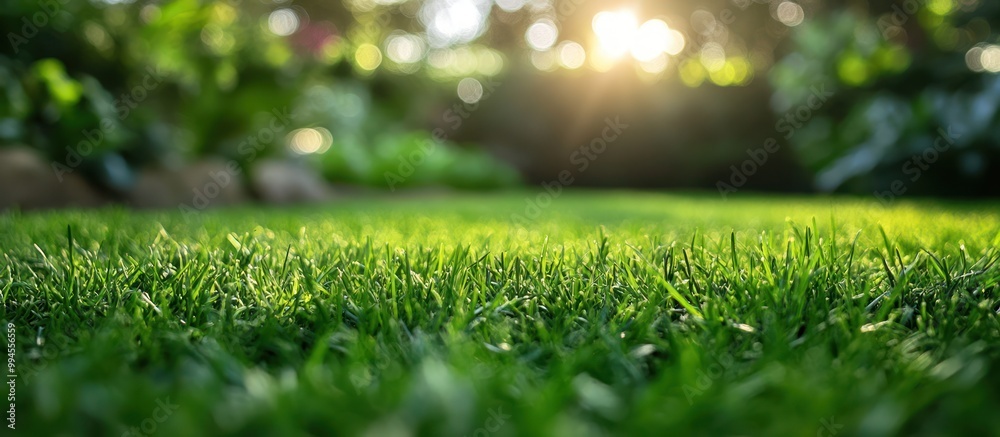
(371, 146)
(107, 87)
(73, 120)
(907, 106)
(140, 82)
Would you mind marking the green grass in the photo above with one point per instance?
(611, 314)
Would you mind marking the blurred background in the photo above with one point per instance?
(194, 103)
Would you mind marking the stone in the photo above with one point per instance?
(28, 181)
(200, 186)
(158, 188)
(282, 182)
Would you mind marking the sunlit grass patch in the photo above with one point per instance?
(612, 313)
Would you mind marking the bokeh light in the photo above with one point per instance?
(544, 61)
(511, 5)
(368, 57)
(942, 7)
(973, 59)
(489, 62)
(790, 13)
(310, 140)
(283, 22)
(990, 58)
(150, 13)
(692, 73)
(650, 40)
(852, 69)
(452, 22)
(713, 56)
(656, 65)
(470, 90)
(703, 22)
(675, 43)
(542, 34)
(571, 55)
(404, 48)
(618, 32)
(215, 38)
(615, 31)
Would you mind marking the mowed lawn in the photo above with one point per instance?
(604, 314)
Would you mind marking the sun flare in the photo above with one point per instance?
(619, 33)
(615, 31)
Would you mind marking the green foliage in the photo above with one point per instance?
(142, 74)
(136, 83)
(415, 159)
(70, 107)
(15, 105)
(178, 80)
(894, 100)
(609, 314)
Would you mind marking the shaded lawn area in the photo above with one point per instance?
(610, 313)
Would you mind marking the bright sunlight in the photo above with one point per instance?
(619, 33)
